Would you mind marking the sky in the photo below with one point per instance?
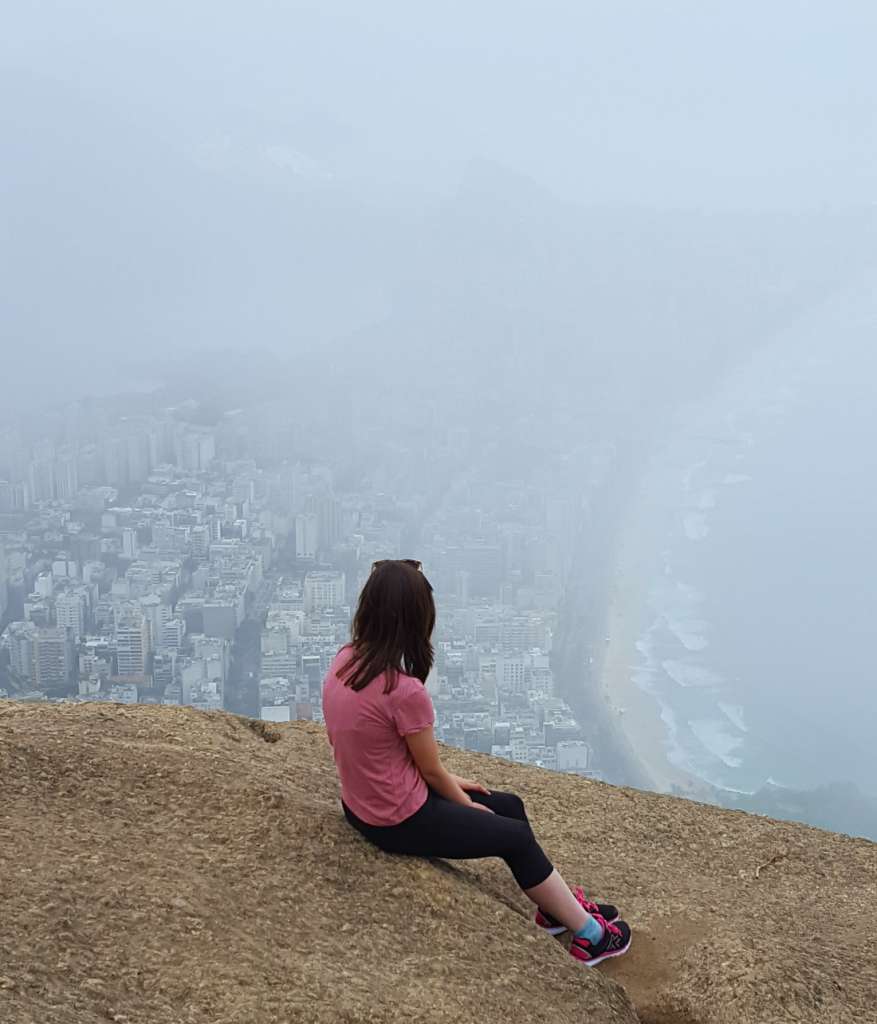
(682, 102)
(205, 176)
(633, 102)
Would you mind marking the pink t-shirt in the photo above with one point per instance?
(380, 782)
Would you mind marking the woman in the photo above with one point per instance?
(395, 790)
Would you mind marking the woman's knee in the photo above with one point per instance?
(514, 836)
(510, 805)
(518, 805)
(526, 858)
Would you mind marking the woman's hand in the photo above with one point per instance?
(468, 786)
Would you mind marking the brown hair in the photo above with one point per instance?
(392, 626)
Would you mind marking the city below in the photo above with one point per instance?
(148, 557)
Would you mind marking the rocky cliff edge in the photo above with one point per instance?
(159, 865)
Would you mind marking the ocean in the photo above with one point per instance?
(758, 621)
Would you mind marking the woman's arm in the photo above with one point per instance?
(425, 752)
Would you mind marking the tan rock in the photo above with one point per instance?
(204, 874)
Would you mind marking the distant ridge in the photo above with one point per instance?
(160, 865)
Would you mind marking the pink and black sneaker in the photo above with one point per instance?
(603, 910)
(615, 942)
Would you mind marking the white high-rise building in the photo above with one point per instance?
(44, 584)
(130, 547)
(66, 475)
(573, 756)
(53, 658)
(4, 587)
(157, 614)
(41, 478)
(199, 538)
(172, 633)
(20, 638)
(306, 530)
(323, 590)
(132, 640)
(511, 674)
(71, 611)
(65, 567)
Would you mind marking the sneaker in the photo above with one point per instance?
(615, 941)
(554, 927)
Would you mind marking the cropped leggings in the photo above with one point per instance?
(451, 831)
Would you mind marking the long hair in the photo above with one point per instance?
(392, 626)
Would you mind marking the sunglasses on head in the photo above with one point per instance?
(413, 562)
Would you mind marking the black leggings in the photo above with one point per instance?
(454, 832)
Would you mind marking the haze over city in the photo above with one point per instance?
(576, 305)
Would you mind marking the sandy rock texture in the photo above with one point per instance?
(162, 866)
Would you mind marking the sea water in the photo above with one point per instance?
(760, 602)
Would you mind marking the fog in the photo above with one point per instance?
(202, 177)
(552, 226)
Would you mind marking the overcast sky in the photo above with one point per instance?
(197, 173)
(651, 103)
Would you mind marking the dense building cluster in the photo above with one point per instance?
(158, 560)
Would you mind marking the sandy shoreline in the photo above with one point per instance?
(640, 724)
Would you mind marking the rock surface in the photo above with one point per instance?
(160, 865)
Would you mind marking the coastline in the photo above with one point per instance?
(685, 549)
(602, 601)
(635, 712)
(606, 612)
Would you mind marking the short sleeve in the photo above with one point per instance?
(413, 710)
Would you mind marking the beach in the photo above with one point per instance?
(636, 713)
(606, 612)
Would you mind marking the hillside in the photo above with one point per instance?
(159, 865)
